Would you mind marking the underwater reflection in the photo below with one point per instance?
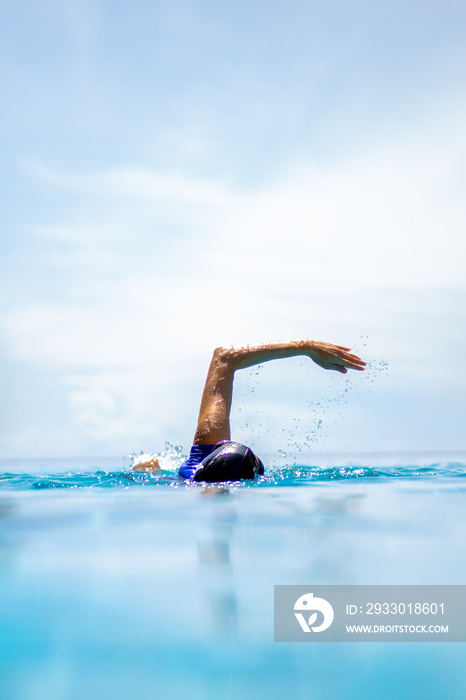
(7, 551)
(214, 555)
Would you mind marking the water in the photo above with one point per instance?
(115, 584)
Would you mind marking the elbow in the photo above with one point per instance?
(225, 356)
(222, 353)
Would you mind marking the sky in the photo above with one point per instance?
(181, 175)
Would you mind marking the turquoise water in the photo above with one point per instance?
(116, 585)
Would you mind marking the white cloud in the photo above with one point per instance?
(386, 220)
(156, 270)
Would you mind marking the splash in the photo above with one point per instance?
(169, 459)
(285, 475)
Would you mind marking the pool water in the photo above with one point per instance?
(115, 584)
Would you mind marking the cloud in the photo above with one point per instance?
(133, 183)
(156, 269)
(388, 219)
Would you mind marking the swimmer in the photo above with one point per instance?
(214, 457)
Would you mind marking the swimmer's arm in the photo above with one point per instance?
(326, 355)
(213, 423)
(150, 465)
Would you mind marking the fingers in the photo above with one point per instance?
(360, 368)
(353, 361)
(355, 364)
(337, 357)
(353, 357)
(347, 356)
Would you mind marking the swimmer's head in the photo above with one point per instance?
(229, 461)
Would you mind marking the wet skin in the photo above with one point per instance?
(213, 424)
(214, 413)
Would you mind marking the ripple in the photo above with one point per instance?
(296, 475)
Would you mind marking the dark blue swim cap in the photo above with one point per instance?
(229, 461)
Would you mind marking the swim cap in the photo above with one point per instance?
(229, 461)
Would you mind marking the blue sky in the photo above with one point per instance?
(178, 175)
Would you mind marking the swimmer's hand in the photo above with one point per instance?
(335, 357)
(150, 465)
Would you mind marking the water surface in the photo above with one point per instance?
(115, 584)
